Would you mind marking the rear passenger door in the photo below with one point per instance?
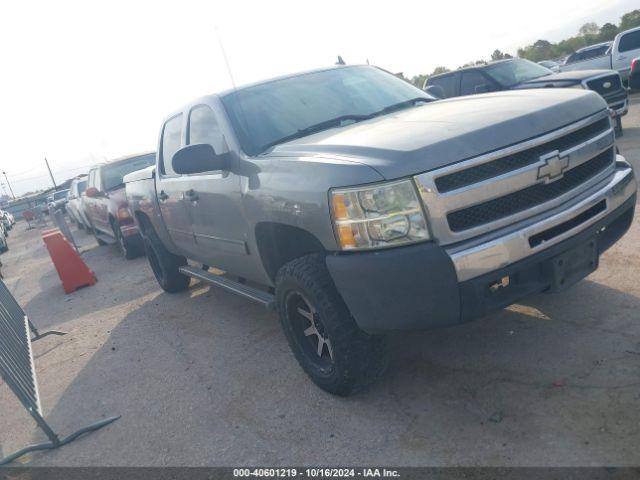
(214, 200)
(170, 188)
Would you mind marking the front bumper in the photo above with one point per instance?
(425, 286)
(620, 109)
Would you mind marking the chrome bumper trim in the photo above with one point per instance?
(500, 252)
(624, 110)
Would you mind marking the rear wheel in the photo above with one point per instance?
(165, 265)
(338, 356)
(128, 249)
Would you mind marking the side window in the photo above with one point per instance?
(171, 136)
(447, 83)
(203, 128)
(473, 82)
(629, 41)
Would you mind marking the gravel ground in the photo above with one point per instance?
(206, 378)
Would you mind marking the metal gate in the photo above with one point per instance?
(19, 373)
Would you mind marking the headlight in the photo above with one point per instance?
(382, 215)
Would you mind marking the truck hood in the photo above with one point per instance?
(570, 76)
(430, 136)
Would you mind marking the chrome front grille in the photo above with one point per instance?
(605, 84)
(529, 197)
(520, 159)
(492, 191)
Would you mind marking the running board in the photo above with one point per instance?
(238, 288)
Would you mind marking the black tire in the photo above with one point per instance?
(338, 356)
(128, 249)
(164, 264)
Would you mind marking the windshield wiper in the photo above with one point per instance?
(338, 121)
(401, 105)
(318, 127)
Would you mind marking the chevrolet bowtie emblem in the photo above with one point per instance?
(606, 85)
(553, 168)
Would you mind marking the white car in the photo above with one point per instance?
(7, 220)
(74, 205)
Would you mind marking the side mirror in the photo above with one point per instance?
(197, 158)
(435, 91)
(92, 192)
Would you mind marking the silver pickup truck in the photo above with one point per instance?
(355, 205)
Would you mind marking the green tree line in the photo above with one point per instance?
(588, 34)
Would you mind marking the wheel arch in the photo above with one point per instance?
(279, 243)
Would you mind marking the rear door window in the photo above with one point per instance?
(629, 41)
(171, 141)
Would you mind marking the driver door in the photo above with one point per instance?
(170, 188)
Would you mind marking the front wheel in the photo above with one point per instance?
(165, 265)
(338, 356)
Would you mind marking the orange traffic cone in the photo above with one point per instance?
(73, 272)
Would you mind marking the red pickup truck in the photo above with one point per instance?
(105, 204)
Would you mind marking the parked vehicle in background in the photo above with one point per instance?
(42, 205)
(618, 56)
(10, 217)
(58, 201)
(356, 205)
(593, 57)
(634, 76)
(517, 73)
(105, 204)
(4, 245)
(551, 65)
(74, 205)
(7, 219)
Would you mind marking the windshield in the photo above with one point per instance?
(283, 109)
(113, 173)
(516, 71)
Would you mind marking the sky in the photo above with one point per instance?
(83, 82)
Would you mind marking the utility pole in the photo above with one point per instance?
(10, 189)
(50, 174)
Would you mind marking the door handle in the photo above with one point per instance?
(162, 196)
(191, 195)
